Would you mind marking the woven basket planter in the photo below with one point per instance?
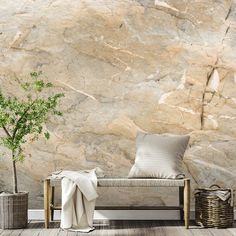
(14, 210)
(211, 211)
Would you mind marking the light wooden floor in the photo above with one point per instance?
(111, 228)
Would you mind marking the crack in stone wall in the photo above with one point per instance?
(204, 103)
(209, 74)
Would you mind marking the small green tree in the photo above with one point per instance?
(24, 116)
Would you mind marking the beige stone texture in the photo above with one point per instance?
(125, 66)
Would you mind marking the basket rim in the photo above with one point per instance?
(214, 190)
(7, 194)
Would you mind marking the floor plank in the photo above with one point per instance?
(232, 231)
(176, 228)
(54, 230)
(201, 232)
(49, 232)
(62, 232)
(33, 229)
(124, 228)
(220, 232)
(71, 233)
(16, 232)
(6, 233)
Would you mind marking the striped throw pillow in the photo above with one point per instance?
(159, 156)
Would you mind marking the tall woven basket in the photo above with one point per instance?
(212, 211)
(14, 210)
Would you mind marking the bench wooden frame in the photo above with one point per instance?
(184, 199)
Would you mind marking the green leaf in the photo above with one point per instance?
(49, 85)
(47, 135)
(34, 75)
(59, 113)
(25, 86)
(20, 157)
(39, 85)
(40, 128)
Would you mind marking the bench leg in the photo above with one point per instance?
(186, 202)
(181, 203)
(46, 202)
(52, 202)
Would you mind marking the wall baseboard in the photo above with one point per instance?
(38, 214)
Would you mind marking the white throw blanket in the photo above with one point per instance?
(79, 193)
(224, 195)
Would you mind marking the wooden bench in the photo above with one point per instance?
(182, 184)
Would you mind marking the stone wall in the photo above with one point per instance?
(124, 66)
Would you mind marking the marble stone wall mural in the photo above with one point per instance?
(124, 66)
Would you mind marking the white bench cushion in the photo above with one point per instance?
(125, 182)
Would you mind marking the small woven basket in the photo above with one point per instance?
(212, 211)
(13, 210)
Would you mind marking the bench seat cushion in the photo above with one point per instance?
(125, 182)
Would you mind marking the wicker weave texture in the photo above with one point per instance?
(211, 211)
(14, 211)
(125, 182)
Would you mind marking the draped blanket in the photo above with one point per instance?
(79, 193)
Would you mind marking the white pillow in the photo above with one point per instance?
(159, 156)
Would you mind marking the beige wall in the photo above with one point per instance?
(125, 66)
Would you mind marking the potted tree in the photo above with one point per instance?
(22, 119)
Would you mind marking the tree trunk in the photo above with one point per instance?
(15, 189)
